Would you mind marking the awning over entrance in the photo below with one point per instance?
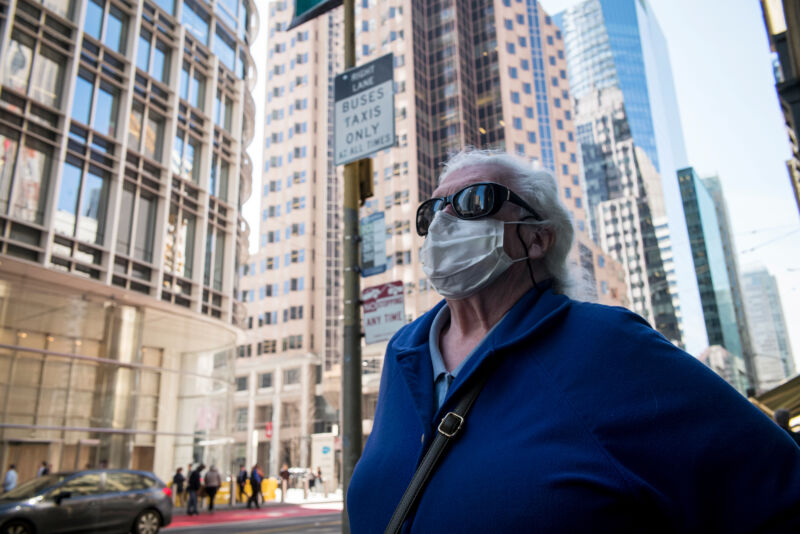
(787, 396)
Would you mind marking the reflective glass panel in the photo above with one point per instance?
(8, 157)
(145, 229)
(46, 81)
(143, 53)
(184, 86)
(68, 199)
(224, 47)
(105, 114)
(93, 209)
(135, 127)
(125, 220)
(94, 19)
(198, 90)
(116, 30)
(30, 187)
(17, 64)
(166, 5)
(196, 21)
(153, 138)
(82, 103)
(160, 70)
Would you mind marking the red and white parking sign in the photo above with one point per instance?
(384, 311)
(268, 429)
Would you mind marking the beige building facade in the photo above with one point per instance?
(487, 74)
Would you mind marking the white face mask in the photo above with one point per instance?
(462, 257)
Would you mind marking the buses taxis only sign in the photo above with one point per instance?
(364, 110)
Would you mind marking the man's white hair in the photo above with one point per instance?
(538, 188)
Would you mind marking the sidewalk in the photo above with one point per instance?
(296, 505)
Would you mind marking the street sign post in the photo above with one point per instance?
(305, 10)
(364, 110)
(384, 311)
(373, 244)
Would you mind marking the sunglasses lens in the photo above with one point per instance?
(474, 201)
(425, 215)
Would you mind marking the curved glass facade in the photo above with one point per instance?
(123, 129)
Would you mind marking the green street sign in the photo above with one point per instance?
(305, 10)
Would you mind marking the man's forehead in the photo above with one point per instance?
(462, 177)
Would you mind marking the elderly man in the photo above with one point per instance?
(589, 420)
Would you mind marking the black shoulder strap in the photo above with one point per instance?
(448, 428)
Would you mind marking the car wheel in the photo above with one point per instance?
(147, 522)
(17, 527)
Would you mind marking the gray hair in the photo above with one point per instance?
(538, 188)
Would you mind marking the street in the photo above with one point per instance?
(326, 523)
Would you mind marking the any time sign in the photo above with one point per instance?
(364, 110)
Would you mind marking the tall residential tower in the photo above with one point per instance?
(618, 44)
(485, 74)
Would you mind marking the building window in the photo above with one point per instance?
(106, 104)
(44, 72)
(114, 34)
(195, 19)
(514, 97)
(241, 419)
(291, 376)
(82, 202)
(531, 137)
(265, 379)
(241, 383)
(517, 122)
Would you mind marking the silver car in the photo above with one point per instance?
(105, 500)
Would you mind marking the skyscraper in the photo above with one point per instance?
(465, 74)
(711, 269)
(625, 204)
(619, 44)
(773, 352)
(122, 170)
(714, 188)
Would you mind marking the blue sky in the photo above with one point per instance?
(732, 126)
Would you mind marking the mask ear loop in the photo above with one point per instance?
(528, 262)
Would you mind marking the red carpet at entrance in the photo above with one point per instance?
(243, 514)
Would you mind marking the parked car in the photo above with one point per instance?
(107, 500)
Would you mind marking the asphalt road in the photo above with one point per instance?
(315, 524)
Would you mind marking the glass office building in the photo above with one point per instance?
(123, 128)
(618, 43)
(711, 270)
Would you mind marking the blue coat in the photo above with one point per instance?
(591, 422)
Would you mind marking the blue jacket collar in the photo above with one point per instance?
(535, 309)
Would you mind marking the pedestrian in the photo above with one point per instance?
(255, 486)
(602, 424)
(781, 416)
(312, 479)
(177, 485)
(10, 480)
(284, 475)
(43, 470)
(193, 487)
(186, 487)
(213, 482)
(241, 482)
(319, 484)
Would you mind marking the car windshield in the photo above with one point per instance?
(32, 487)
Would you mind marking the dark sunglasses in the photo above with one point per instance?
(475, 201)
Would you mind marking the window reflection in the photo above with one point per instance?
(9, 142)
(93, 209)
(82, 103)
(17, 64)
(30, 188)
(48, 73)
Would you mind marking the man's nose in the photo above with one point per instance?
(449, 209)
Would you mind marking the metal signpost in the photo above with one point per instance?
(384, 311)
(365, 107)
(373, 244)
(364, 110)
